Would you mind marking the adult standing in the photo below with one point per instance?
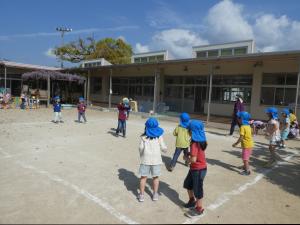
(238, 107)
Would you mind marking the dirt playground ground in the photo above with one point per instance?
(82, 173)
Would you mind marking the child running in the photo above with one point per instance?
(198, 168)
(151, 145)
(183, 140)
(57, 110)
(81, 106)
(123, 115)
(257, 125)
(285, 127)
(273, 132)
(246, 140)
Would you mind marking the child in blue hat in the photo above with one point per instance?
(285, 127)
(123, 115)
(81, 107)
(198, 169)
(246, 139)
(183, 140)
(273, 132)
(57, 110)
(150, 148)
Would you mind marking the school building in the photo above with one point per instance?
(207, 83)
(204, 84)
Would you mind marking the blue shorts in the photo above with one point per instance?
(194, 181)
(149, 170)
(284, 135)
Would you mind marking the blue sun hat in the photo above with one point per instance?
(184, 120)
(152, 128)
(81, 99)
(286, 112)
(56, 98)
(245, 117)
(273, 111)
(197, 129)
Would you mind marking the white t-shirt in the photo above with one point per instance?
(274, 136)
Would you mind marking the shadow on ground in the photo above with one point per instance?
(286, 175)
(131, 182)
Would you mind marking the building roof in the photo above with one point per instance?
(250, 56)
(26, 66)
(150, 53)
(226, 43)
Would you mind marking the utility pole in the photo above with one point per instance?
(63, 30)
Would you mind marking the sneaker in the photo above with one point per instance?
(155, 196)
(194, 213)
(190, 204)
(245, 173)
(141, 198)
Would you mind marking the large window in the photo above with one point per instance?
(226, 87)
(183, 86)
(226, 52)
(173, 92)
(201, 54)
(133, 86)
(279, 89)
(96, 85)
(240, 51)
(213, 53)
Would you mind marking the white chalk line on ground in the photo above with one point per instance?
(225, 197)
(81, 192)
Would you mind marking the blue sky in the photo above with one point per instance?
(28, 27)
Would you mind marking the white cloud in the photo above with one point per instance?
(139, 48)
(273, 34)
(49, 53)
(178, 41)
(225, 22)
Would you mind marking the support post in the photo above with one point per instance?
(48, 91)
(110, 89)
(88, 87)
(209, 94)
(5, 78)
(85, 88)
(297, 92)
(155, 91)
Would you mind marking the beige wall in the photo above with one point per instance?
(270, 64)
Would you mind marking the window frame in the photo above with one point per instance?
(284, 86)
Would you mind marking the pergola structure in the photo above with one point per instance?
(52, 75)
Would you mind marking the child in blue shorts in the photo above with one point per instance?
(151, 145)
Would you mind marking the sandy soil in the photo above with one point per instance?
(82, 173)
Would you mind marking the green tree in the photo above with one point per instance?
(115, 51)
